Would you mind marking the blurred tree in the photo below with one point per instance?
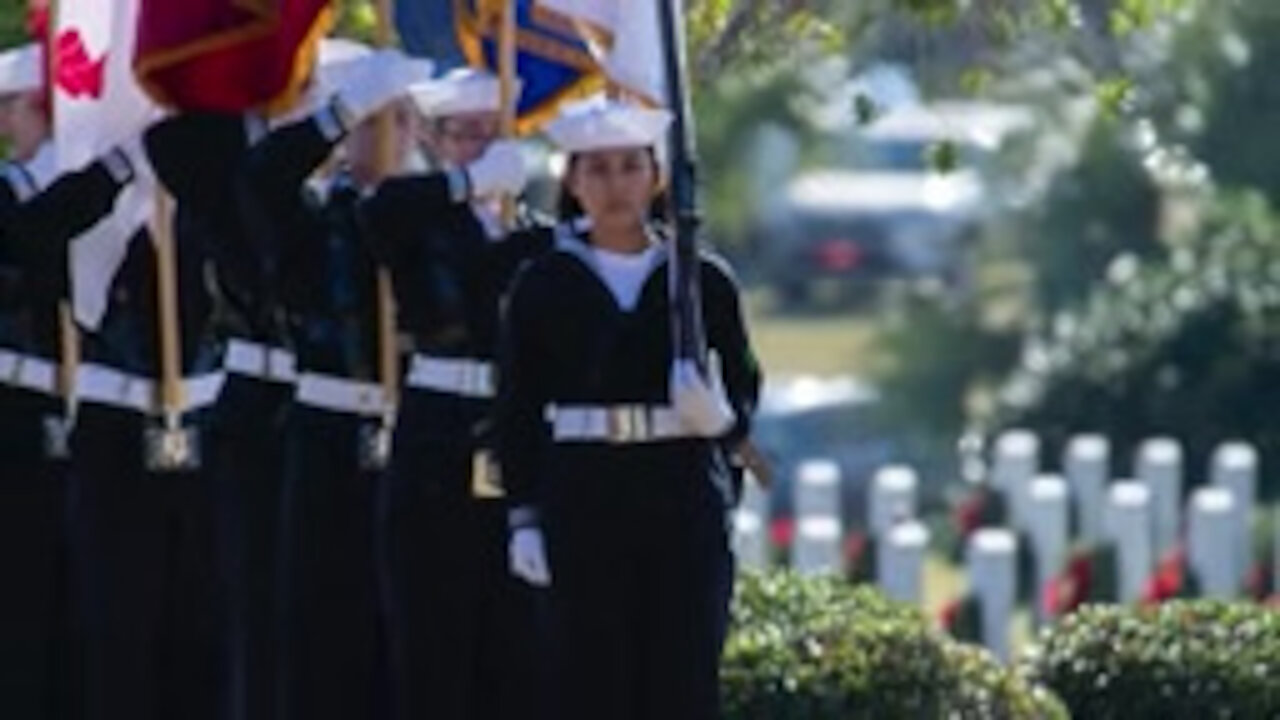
(1188, 348)
(1104, 206)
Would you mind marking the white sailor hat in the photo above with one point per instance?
(600, 124)
(21, 69)
(459, 91)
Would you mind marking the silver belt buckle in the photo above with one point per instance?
(628, 423)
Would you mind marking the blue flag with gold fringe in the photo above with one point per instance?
(553, 61)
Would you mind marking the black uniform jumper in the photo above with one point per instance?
(632, 506)
(143, 540)
(34, 613)
(327, 599)
(457, 622)
(202, 160)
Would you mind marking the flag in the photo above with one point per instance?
(427, 29)
(229, 55)
(96, 105)
(625, 37)
(553, 61)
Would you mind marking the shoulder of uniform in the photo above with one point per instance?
(535, 236)
(18, 181)
(716, 265)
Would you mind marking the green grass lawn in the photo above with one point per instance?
(825, 344)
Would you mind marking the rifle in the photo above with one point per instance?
(686, 219)
(689, 334)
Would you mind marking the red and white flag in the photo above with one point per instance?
(97, 104)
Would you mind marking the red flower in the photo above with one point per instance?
(855, 545)
(1169, 578)
(1257, 581)
(1071, 587)
(950, 613)
(782, 531)
(968, 514)
(1059, 596)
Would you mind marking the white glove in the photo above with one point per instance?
(701, 405)
(528, 556)
(500, 171)
(378, 79)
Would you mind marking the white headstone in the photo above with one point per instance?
(893, 498)
(993, 562)
(1049, 533)
(817, 489)
(817, 546)
(1017, 460)
(1128, 525)
(751, 537)
(1211, 541)
(900, 561)
(1087, 466)
(1235, 467)
(1159, 467)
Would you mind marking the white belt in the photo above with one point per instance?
(456, 376)
(250, 359)
(101, 385)
(27, 372)
(9, 367)
(615, 424)
(340, 395)
(38, 375)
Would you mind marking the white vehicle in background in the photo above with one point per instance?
(905, 196)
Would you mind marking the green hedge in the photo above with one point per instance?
(818, 649)
(1183, 659)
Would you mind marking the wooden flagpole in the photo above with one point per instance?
(68, 333)
(170, 390)
(507, 58)
(388, 350)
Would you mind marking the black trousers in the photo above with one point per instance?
(638, 553)
(460, 628)
(328, 600)
(145, 579)
(246, 458)
(34, 619)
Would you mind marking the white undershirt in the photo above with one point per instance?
(625, 273)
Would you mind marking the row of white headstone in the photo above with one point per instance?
(1142, 518)
(818, 542)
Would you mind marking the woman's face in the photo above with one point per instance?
(461, 139)
(614, 187)
(23, 123)
(363, 142)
